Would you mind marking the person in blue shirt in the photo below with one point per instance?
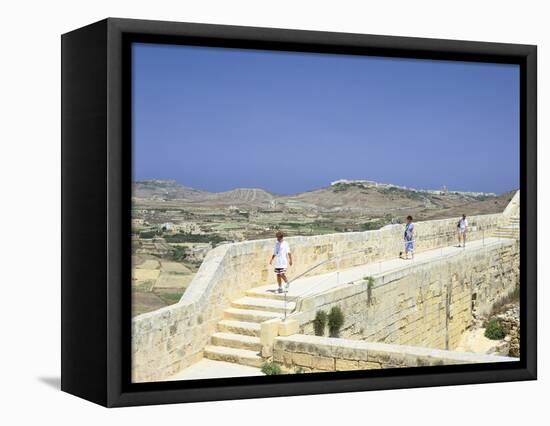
(409, 238)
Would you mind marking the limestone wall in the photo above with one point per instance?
(424, 304)
(512, 209)
(312, 353)
(171, 338)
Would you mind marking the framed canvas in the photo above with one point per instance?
(258, 212)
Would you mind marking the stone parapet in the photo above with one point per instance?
(313, 353)
(427, 304)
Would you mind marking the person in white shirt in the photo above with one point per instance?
(462, 227)
(281, 260)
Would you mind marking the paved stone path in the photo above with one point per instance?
(210, 369)
(320, 283)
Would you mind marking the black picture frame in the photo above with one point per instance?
(96, 186)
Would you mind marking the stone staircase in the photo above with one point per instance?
(237, 338)
(510, 230)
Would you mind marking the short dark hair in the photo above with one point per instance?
(409, 217)
(279, 234)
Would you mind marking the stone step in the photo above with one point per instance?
(263, 304)
(238, 341)
(239, 327)
(238, 356)
(262, 293)
(250, 315)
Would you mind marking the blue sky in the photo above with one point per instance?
(218, 119)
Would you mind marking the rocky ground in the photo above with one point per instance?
(509, 320)
(474, 340)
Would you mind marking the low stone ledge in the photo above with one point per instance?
(333, 354)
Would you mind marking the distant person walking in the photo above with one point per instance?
(283, 259)
(462, 227)
(409, 238)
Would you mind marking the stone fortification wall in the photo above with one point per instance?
(512, 209)
(313, 353)
(426, 304)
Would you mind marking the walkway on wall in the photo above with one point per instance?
(317, 284)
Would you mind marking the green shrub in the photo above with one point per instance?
(170, 298)
(271, 368)
(319, 323)
(184, 237)
(335, 321)
(148, 234)
(493, 330)
(178, 253)
(373, 225)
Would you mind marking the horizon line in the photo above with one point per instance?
(411, 188)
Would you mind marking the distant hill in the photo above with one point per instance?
(165, 190)
(364, 196)
(171, 190)
(384, 198)
(241, 196)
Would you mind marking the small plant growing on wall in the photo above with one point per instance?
(319, 323)
(335, 321)
(271, 368)
(493, 330)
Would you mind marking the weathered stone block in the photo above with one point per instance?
(323, 363)
(304, 360)
(268, 331)
(278, 355)
(346, 364)
(369, 365)
(288, 327)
